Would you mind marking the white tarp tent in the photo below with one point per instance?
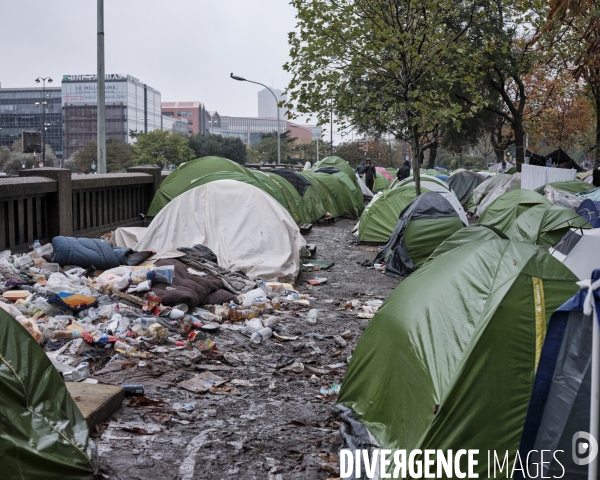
(128, 236)
(578, 251)
(506, 184)
(533, 177)
(246, 228)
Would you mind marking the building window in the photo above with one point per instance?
(169, 114)
(190, 122)
(185, 114)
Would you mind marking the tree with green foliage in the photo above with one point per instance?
(266, 149)
(11, 161)
(231, 148)
(161, 147)
(119, 155)
(385, 67)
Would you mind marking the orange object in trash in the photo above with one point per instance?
(78, 300)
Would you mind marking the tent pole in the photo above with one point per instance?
(594, 401)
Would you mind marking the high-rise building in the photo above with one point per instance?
(18, 112)
(253, 128)
(194, 114)
(130, 106)
(267, 106)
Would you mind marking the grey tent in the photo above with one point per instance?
(423, 225)
(463, 184)
(559, 407)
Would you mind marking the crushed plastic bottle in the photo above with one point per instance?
(78, 374)
(258, 337)
(238, 314)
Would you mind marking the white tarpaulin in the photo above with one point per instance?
(560, 197)
(534, 177)
(128, 236)
(577, 250)
(506, 184)
(246, 228)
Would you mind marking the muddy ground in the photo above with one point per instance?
(281, 427)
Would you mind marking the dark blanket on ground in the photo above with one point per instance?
(193, 290)
(93, 252)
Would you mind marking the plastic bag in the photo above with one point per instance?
(249, 297)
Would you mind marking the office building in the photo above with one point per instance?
(194, 114)
(18, 112)
(267, 105)
(252, 127)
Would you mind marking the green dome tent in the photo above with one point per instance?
(381, 183)
(474, 233)
(358, 199)
(333, 193)
(381, 214)
(313, 205)
(180, 178)
(544, 224)
(423, 225)
(506, 208)
(42, 432)
(260, 180)
(338, 163)
(569, 186)
(424, 178)
(449, 359)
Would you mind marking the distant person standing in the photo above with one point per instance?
(360, 169)
(370, 174)
(403, 171)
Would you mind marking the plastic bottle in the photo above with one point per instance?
(311, 318)
(144, 321)
(276, 303)
(258, 337)
(37, 248)
(208, 316)
(238, 314)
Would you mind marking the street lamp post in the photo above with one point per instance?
(242, 79)
(44, 104)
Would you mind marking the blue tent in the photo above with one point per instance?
(560, 403)
(590, 211)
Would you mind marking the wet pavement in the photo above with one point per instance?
(263, 422)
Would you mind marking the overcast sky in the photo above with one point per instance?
(186, 49)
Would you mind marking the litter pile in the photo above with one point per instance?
(86, 318)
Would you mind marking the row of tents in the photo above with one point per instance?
(330, 188)
(464, 353)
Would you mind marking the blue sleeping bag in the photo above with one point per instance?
(88, 252)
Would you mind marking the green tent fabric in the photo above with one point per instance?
(42, 431)
(357, 196)
(381, 214)
(260, 180)
(331, 194)
(343, 197)
(381, 183)
(340, 164)
(292, 194)
(180, 178)
(544, 225)
(463, 184)
(474, 233)
(569, 186)
(424, 178)
(288, 197)
(511, 170)
(448, 361)
(506, 208)
(423, 225)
